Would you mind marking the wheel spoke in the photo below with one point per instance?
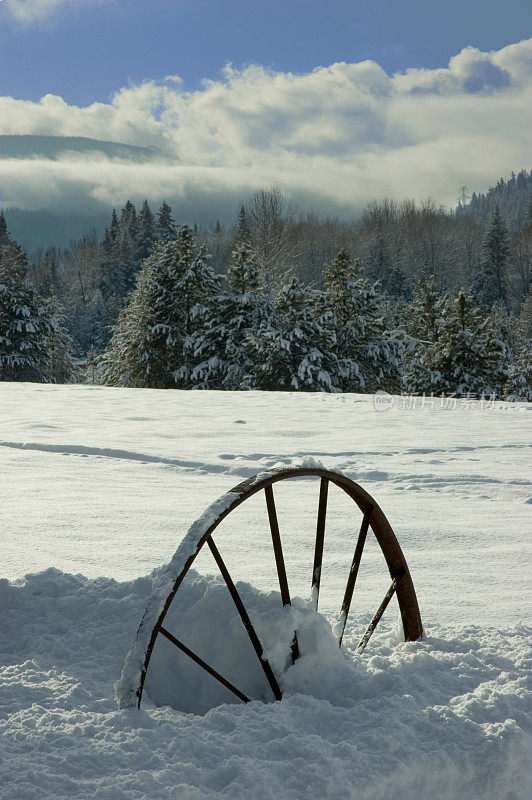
(277, 547)
(204, 665)
(380, 611)
(320, 535)
(245, 619)
(279, 560)
(353, 572)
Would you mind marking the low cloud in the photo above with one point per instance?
(333, 138)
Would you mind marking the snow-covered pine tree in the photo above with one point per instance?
(243, 226)
(128, 264)
(518, 373)
(197, 289)
(423, 323)
(147, 347)
(292, 350)
(468, 352)
(24, 322)
(128, 249)
(491, 286)
(519, 381)
(129, 220)
(145, 232)
(112, 279)
(140, 352)
(234, 316)
(50, 279)
(165, 228)
(5, 239)
(62, 367)
(368, 356)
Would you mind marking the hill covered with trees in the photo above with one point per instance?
(512, 197)
(24, 146)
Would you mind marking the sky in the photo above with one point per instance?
(334, 102)
(85, 50)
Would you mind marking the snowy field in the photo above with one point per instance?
(99, 487)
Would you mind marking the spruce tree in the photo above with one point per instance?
(423, 324)
(198, 288)
(129, 220)
(165, 228)
(148, 345)
(140, 352)
(228, 322)
(5, 239)
(292, 350)
(492, 284)
(62, 367)
(243, 227)
(113, 281)
(368, 356)
(146, 231)
(50, 283)
(468, 352)
(128, 248)
(24, 322)
(518, 385)
(518, 374)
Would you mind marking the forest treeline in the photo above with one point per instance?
(409, 297)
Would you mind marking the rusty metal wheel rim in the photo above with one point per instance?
(373, 517)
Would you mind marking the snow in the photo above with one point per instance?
(106, 482)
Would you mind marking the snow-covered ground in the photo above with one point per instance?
(105, 482)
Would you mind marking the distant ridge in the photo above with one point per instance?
(53, 147)
(513, 197)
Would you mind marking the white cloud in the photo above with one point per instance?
(340, 134)
(34, 10)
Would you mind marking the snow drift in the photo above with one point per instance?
(102, 481)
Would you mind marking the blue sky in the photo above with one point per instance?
(84, 50)
(335, 103)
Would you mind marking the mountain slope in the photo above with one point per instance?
(54, 147)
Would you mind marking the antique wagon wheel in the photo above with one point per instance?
(130, 687)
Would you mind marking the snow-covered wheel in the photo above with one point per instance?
(130, 687)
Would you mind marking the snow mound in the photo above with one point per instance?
(204, 617)
(447, 718)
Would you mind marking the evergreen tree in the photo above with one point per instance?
(50, 274)
(24, 322)
(61, 366)
(368, 356)
(129, 220)
(231, 319)
(165, 228)
(198, 290)
(92, 367)
(492, 284)
(137, 354)
(146, 231)
(5, 239)
(127, 269)
(148, 345)
(518, 372)
(423, 324)
(519, 379)
(112, 279)
(468, 352)
(243, 226)
(292, 350)
(128, 248)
